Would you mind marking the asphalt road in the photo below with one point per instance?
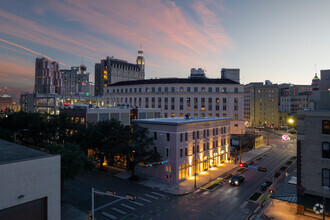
(225, 202)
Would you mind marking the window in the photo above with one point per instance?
(325, 127)
(235, 108)
(208, 145)
(203, 89)
(195, 89)
(208, 132)
(159, 89)
(172, 89)
(186, 151)
(155, 135)
(181, 89)
(153, 89)
(188, 89)
(224, 100)
(168, 136)
(210, 89)
(186, 136)
(325, 150)
(235, 100)
(204, 147)
(181, 152)
(204, 133)
(193, 134)
(193, 149)
(197, 132)
(181, 137)
(166, 152)
(198, 148)
(224, 108)
(325, 177)
(213, 131)
(166, 89)
(236, 90)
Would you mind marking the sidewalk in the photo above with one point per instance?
(203, 178)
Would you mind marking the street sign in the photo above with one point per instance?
(252, 167)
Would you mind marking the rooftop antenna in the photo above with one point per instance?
(315, 70)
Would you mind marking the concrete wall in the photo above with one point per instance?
(35, 179)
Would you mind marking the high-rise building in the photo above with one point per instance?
(232, 74)
(111, 70)
(261, 104)
(47, 77)
(75, 80)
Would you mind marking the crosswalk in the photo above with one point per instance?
(127, 208)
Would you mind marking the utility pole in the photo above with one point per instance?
(195, 151)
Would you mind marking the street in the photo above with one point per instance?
(225, 202)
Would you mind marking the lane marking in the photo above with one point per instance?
(127, 206)
(243, 205)
(118, 210)
(158, 194)
(151, 196)
(136, 203)
(103, 206)
(146, 200)
(108, 215)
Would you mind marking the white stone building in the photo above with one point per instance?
(177, 97)
(187, 144)
(30, 183)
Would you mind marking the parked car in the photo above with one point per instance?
(237, 179)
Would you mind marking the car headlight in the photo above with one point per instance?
(229, 181)
(236, 182)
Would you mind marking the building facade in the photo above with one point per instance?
(75, 80)
(47, 77)
(30, 183)
(177, 97)
(291, 104)
(111, 70)
(261, 104)
(52, 103)
(125, 114)
(197, 73)
(188, 145)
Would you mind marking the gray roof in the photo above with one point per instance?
(11, 153)
(179, 121)
(176, 81)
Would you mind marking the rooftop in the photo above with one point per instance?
(11, 153)
(178, 121)
(175, 81)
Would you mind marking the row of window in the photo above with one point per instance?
(173, 89)
(172, 115)
(196, 134)
(198, 149)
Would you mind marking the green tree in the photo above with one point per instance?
(140, 148)
(73, 160)
(106, 138)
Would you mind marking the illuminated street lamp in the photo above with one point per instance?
(290, 121)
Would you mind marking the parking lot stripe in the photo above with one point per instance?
(118, 210)
(158, 194)
(136, 203)
(108, 215)
(146, 200)
(151, 196)
(127, 206)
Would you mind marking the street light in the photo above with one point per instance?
(195, 151)
(16, 133)
(290, 121)
(324, 189)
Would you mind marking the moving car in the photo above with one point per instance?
(237, 179)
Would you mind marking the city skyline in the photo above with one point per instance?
(280, 41)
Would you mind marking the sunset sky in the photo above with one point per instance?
(276, 40)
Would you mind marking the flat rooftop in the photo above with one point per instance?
(179, 120)
(11, 153)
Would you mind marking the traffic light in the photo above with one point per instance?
(166, 176)
(243, 165)
(90, 216)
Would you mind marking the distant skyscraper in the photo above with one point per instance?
(47, 77)
(111, 70)
(315, 82)
(232, 74)
(75, 80)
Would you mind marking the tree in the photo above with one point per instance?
(73, 160)
(140, 148)
(106, 138)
